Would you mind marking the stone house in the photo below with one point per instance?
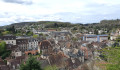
(22, 44)
(33, 43)
(9, 39)
(46, 48)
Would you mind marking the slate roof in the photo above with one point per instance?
(32, 39)
(21, 41)
(7, 37)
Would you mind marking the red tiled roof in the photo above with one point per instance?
(32, 52)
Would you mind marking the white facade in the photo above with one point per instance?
(13, 42)
(17, 54)
(32, 44)
(91, 39)
(103, 38)
(113, 37)
(9, 39)
(23, 47)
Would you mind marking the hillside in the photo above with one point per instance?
(107, 25)
(45, 23)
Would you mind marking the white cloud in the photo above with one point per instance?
(58, 10)
(27, 2)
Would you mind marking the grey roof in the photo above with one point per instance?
(32, 39)
(7, 37)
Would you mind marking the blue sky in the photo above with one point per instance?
(75, 11)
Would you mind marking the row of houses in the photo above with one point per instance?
(58, 49)
(22, 44)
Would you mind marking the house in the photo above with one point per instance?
(32, 43)
(15, 51)
(102, 38)
(9, 39)
(113, 36)
(100, 31)
(90, 38)
(60, 38)
(14, 64)
(46, 48)
(22, 44)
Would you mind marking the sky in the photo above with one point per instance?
(74, 11)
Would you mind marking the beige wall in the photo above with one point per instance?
(91, 39)
(13, 42)
(103, 38)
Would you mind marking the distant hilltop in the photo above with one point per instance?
(103, 25)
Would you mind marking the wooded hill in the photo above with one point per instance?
(103, 25)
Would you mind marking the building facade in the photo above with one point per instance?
(32, 44)
(22, 44)
(9, 39)
(95, 38)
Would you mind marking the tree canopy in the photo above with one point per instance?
(31, 64)
(2, 47)
(35, 36)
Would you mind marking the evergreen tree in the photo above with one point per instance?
(11, 29)
(31, 64)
